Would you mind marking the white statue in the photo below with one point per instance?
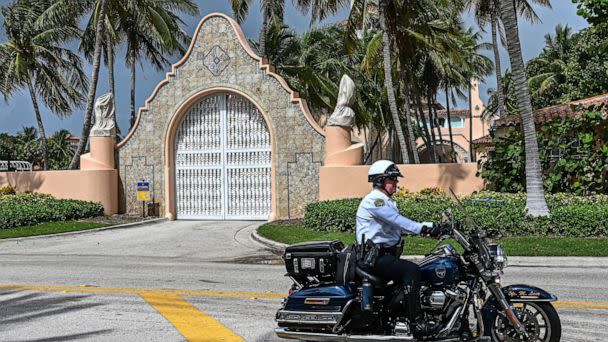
(344, 115)
(104, 117)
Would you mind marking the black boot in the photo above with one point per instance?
(424, 327)
(412, 309)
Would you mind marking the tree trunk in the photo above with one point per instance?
(43, 142)
(262, 38)
(429, 141)
(388, 82)
(410, 127)
(536, 203)
(86, 126)
(408, 113)
(502, 111)
(423, 133)
(439, 134)
(433, 124)
(471, 153)
(110, 53)
(133, 72)
(453, 152)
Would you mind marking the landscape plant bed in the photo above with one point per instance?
(295, 232)
(496, 213)
(30, 209)
(49, 228)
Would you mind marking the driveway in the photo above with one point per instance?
(200, 240)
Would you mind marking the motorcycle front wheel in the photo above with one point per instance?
(540, 319)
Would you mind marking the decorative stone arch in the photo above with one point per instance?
(463, 154)
(219, 59)
(170, 143)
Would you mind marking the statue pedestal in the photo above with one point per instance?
(101, 156)
(339, 149)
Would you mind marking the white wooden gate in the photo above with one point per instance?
(223, 161)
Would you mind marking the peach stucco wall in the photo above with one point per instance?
(89, 185)
(351, 181)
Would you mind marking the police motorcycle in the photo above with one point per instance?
(335, 298)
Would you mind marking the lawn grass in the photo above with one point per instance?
(48, 228)
(514, 246)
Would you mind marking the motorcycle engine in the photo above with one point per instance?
(439, 299)
(433, 299)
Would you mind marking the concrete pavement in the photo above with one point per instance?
(127, 285)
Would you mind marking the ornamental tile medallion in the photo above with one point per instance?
(216, 60)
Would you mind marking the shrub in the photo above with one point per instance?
(495, 213)
(7, 190)
(338, 215)
(30, 209)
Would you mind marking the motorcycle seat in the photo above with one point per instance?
(374, 279)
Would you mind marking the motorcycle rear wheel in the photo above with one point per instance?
(540, 319)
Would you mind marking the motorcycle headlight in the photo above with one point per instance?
(499, 256)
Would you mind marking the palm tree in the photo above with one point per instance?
(34, 58)
(152, 30)
(488, 12)
(60, 150)
(547, 71)
(357, 22)
(109, 43)
(273, 12)
(282, 46)
(476, 66)
(465, 63)
(388, 78)
(27, 146)
(491, 110)
(535, 203)
(100, 7)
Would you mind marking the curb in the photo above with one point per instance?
(268, 244)
(86, 231)
(515, 261)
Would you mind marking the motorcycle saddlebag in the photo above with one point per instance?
(317, 259)
(317, 308)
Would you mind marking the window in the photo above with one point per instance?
(457, 122)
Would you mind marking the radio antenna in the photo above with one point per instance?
(467, 216)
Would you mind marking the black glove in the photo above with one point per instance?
(434, 231)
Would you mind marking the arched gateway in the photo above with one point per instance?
(223, 160)
(223, 136)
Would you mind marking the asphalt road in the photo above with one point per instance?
(205, 281)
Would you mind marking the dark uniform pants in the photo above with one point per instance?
(402, 272)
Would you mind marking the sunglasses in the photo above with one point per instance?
(393, 178)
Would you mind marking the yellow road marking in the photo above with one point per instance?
(218, 294)
(192, 323)
(581, 305)
(136, 291)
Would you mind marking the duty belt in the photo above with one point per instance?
(393, 250)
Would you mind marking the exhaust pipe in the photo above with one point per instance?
(310, 336)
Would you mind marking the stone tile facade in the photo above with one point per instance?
(219, 59)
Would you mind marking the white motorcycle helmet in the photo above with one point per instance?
(381, 170)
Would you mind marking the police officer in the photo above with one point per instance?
(378, 220)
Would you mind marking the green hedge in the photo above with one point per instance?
(496, 213)
(31, 209)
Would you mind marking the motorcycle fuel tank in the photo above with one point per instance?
(439, 271)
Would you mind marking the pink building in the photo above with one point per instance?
(464, 129)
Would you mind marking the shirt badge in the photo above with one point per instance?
(379, 202)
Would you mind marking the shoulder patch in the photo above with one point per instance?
(379, 202)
